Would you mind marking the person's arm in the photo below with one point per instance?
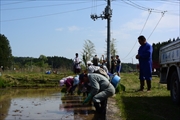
(68, 85)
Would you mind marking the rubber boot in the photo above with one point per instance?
(148, 85)
(97, 106)
(103, 109)
(141, 86)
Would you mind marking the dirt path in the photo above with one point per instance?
(113, 112)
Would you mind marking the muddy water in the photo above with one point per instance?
(43, 104)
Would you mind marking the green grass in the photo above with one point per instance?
(31, 79)
(154, 105)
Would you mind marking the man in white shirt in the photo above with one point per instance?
(77, 67)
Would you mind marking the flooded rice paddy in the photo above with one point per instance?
(43, 104)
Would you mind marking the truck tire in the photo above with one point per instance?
(175, 88)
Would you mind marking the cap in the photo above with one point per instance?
(89, 63)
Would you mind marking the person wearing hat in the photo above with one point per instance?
(101, 89)
(91, 68)
(71, 84)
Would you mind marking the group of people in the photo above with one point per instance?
(115, 64)
(98, 86)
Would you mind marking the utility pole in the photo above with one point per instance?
(107, 14)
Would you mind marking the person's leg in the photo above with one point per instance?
(117, 70)
(103, 106)
(73, 89)
(101, 99)
(141, 79)
(148, 85)
(97, 107)
(141, 85)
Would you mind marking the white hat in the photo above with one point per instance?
(61, 82)
(92, 68)
(89, 63)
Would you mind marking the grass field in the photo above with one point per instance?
(154, 105)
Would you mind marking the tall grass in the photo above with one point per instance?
(154, 105)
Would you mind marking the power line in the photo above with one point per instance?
(152, 31)
(140, 34)
(157, 24)
(48, 14)
(42, 6)
(141, 7)
(17, 2)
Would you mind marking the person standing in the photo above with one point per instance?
(76, 65)
(118, 65)
(112, 64)
(95, 60)
(101, 89)
(145, 62)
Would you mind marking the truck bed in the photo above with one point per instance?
(170, 53)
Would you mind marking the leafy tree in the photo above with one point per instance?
(5, 52)
(42, 59)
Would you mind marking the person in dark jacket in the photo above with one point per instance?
(113, 63)
(118, 65)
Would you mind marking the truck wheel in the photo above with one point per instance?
(175, 88)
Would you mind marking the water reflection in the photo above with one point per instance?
(43, 104)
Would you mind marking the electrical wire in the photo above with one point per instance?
(17, 2)
(48, 14)
(140, 34)
(141, 7)
(152, 31)
(157, 24)
(43, 6)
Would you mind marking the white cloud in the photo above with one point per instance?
(59, 29)
(73, 28)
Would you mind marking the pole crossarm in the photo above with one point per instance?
(107, 14)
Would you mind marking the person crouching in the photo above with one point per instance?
(71, 84)
(101, 89)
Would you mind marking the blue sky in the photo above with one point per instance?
(60, 27)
